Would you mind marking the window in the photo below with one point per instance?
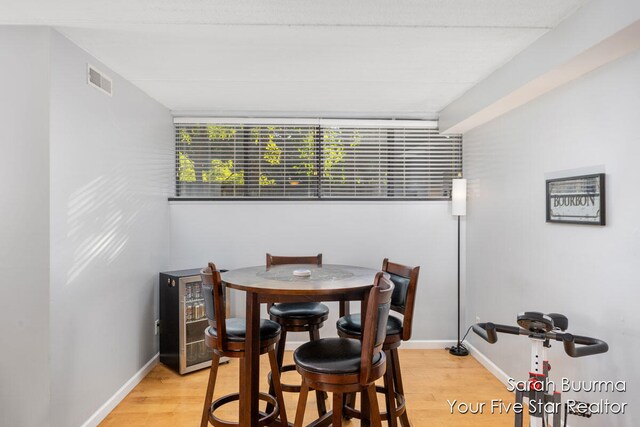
(321, 159)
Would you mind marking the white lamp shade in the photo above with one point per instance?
(459, 196)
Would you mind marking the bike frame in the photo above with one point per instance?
(541, 398)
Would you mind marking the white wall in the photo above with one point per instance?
(234, 234)
(24, 226)
(109, 222)
(517, 262)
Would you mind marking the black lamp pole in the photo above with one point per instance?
(459, 349)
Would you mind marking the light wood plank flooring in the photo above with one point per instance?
(165, 398)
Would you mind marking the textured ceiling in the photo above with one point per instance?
(300, 57)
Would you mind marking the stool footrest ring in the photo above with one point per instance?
(265, 419)
(350, 412)
(289, 388)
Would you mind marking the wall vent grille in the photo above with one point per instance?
(99, 80)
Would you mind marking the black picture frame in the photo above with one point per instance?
(576, 200)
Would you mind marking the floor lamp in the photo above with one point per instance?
(459, 208)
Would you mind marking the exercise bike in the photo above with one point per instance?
(541, 328)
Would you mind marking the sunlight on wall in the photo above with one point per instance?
(101, 213)
(97, 228)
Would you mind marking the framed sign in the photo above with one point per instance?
(576, 200)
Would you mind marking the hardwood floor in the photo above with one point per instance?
(431, 377)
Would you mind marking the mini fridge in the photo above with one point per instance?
(183, 321)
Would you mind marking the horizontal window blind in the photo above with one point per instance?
(307, 161)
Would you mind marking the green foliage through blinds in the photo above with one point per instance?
(311, 162)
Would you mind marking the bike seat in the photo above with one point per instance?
(560, 321)
(535, 322)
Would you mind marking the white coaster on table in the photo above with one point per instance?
(302, 273)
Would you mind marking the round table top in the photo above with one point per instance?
(324, 279)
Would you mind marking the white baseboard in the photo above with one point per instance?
(427, 344)
(488, 364)
(409, 345)
(119, 395)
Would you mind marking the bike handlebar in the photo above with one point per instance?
(486, 331)
(590, 346)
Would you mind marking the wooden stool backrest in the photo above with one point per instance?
(213, 291)
(405, 279)
(282, 260)
(374, 326)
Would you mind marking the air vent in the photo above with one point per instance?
(98, 80)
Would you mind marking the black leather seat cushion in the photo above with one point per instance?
(299, 310)
(237, 330)
(331, 356)
(352, 324)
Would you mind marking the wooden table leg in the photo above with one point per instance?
(249, 414)
(242, 387)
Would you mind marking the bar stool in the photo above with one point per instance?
(227, 338)
(297, 317)
(345, 365)
(405, 280)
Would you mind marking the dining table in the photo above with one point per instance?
(289, 283)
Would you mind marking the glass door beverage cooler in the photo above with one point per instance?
(183, 321)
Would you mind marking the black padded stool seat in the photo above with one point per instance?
(237, 329)
(292, 310)
(352, 325)
(331, 355)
